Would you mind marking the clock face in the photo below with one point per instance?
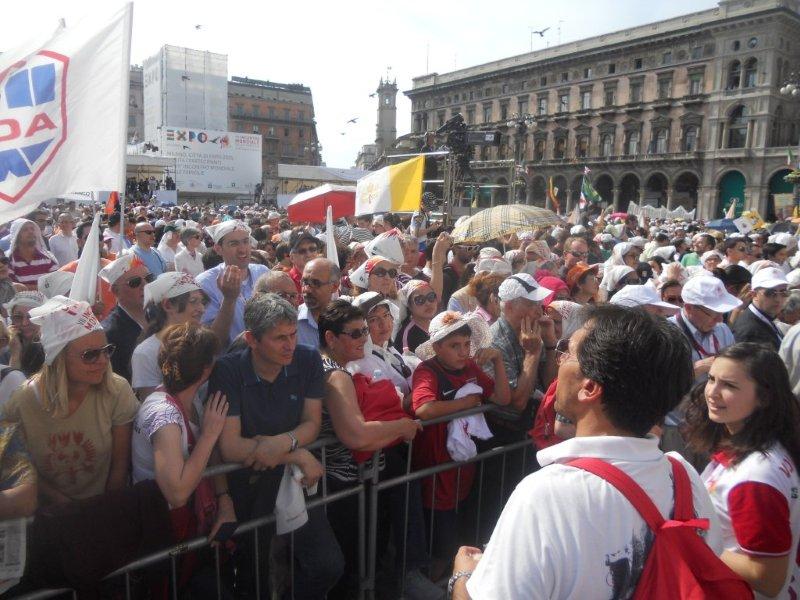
(752, 42)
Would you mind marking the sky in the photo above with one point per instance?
(341, 49)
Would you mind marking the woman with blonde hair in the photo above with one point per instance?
(76, 413)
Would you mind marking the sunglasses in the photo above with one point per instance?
(421, 299)
(148, 231)
(313, 283)
(579, 254)
(776, 293)
(381, 272)
(4, 260)
(135, 282)
(93, 355)
(356, 334)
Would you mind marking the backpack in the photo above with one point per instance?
(680, 565)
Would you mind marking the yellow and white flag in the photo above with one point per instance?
(396, 188)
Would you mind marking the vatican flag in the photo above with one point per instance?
(396, 188)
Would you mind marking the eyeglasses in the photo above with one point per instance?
(562, 352)
(314, 283)
(92, 355)
(578, 254)
(776, 293)
(421, 299)
(356, 334)
(381, 272)
(148, 231)
(305, 250)
(288, 297)
(135, 282)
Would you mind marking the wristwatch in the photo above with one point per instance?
(452, 582)
(294, 441)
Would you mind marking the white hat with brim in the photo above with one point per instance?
(450, 321)
(220, 230)
(493, 265)
(522, 285)
(386, 244)
(368, 301)
(114, 270)
(768, 278)
(711, 254)
(710, 293)
(641, 295)
(169, 285)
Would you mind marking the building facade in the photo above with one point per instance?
(135, 105)
(685, 111)
(284, 115)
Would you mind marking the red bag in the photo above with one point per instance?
(378, 401)
(680, 565)
(543, 431)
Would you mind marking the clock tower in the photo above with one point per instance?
(386, 130)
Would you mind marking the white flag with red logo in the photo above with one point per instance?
(64, 112)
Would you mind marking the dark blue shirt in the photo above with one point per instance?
(123, 331)
(268, 408)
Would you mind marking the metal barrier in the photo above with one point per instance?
(368, 488)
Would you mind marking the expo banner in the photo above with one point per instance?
(221, 162)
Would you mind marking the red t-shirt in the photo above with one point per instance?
(430, 446)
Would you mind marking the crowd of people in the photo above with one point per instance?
(227, 336)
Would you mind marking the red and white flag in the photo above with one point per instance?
(64, 112)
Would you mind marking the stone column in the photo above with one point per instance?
(642, 194)
(617, 192)
(749, 136)
(670, 200)
(569, 201)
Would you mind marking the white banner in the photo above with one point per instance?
(221, 162)
(651, 212)
(64, 112)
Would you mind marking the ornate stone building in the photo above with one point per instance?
(685, 111)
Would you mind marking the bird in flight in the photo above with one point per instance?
(342, 133)
(541, 33)
(353, 120)
(198, 26)
(372, 95)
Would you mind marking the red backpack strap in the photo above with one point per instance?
(684, 505)
(626, 486)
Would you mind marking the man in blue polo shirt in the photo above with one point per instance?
(230, 284)
(274, 389)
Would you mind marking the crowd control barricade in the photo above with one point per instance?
(367, 490)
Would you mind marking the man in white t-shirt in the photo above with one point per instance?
(566, 533)
(64, 244)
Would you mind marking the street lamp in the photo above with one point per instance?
(791, 88)
(313, 148)
(517, 126)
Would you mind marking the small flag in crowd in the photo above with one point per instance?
(112, 203)
(396, 188)
(552, 193)
(64, 105)
(589, 195)
(731, 212)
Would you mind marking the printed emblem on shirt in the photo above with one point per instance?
(70, 454)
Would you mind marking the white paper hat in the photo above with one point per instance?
(360, 276)
(449, 321)
(489, 252)
(62, 320)
(613, 275)
(709, 254)
(27, 298)
(56, 283)
(493, 265)
(220, 230)
(169, 285)
(113, 271)
(386, 244)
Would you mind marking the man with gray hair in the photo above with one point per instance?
(64, 244)
(278, 282)
(320, 280)
(274, 388)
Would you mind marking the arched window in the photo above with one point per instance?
(690, 139)
(538, 151)
(607, 145)
(659, 144)
(737, 127)
(734, 75)
(751, 73)
(561, 148)
(632, 143)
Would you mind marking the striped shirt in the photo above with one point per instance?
(30, 272)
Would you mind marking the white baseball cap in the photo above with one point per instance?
(769, 278)
(641, 295)
(710, 293)
(522, 285)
